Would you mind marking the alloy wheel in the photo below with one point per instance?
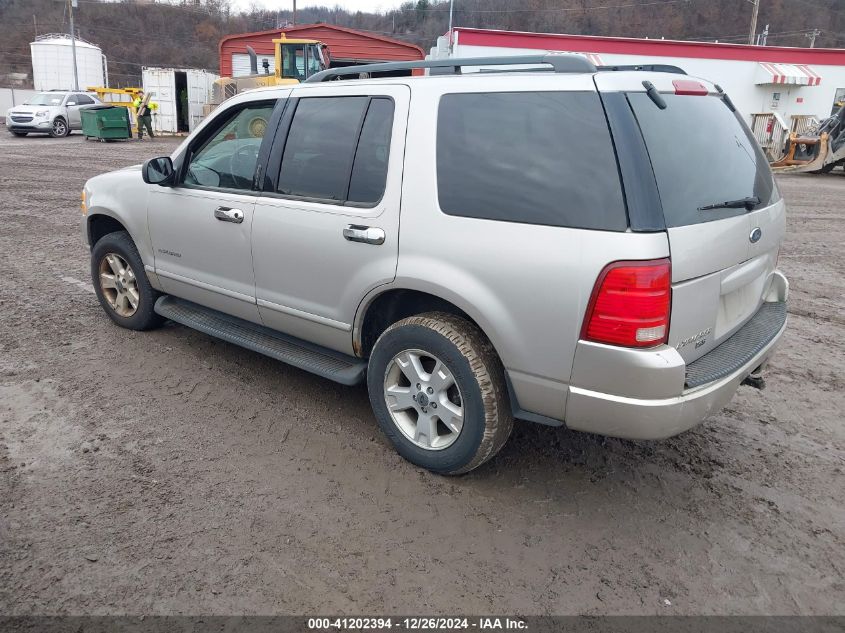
(119, 285)
(423, 399)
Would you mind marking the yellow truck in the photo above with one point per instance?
(296, 60)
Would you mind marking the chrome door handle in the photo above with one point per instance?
(365, 234)
(225, 214)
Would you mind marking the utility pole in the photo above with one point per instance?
(70, 5)
(753, 30)
(813, 35)
(294, 12)
(451, 11)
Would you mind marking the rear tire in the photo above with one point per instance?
(121, 284)
(458, 372)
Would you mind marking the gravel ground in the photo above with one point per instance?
(167, 472)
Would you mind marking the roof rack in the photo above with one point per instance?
(560, 63)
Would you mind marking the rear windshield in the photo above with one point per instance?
(702, 154)
(531, 157)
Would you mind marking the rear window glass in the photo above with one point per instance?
(702, 154)
(531, 157)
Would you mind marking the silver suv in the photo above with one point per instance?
(581, 247)
(56, 113)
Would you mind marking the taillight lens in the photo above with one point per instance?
(630, 304)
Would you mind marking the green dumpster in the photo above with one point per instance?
(106, 123)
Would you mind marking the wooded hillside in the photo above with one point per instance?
(136, 33)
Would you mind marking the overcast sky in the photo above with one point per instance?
(349, 5)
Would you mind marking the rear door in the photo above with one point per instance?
(326, 226)
(703, 155)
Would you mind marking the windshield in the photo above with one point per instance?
(46, 98)
(703, 155)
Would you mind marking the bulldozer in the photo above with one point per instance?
(296, 60)
(818, 152)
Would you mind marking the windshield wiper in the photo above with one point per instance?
(748, 203)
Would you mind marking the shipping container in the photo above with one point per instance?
(180, 94)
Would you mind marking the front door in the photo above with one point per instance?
(74, 119)
(326, 226)
(201, 228)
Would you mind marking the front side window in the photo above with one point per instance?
(337, 150)
(532, 157)
(83, 100)
(227, 159)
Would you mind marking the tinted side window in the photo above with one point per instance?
(83, 100)
(702, 153)
(321, 146)
(228, 157)
(369, 171)
(532, 157)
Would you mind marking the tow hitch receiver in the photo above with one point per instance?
(755, 379)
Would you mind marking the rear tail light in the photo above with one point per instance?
(630, 304)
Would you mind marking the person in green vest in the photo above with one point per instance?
(144, 109)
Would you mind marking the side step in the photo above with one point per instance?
(341, 368)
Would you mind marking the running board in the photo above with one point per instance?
(341, 368)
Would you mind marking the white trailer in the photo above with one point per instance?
(180, 94)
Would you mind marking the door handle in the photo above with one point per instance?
(225, 214)
(365, 234)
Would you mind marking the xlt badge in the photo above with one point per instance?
(699, 339)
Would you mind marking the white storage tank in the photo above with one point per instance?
(180, 94)
(52, 63)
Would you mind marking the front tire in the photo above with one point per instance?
(20, 134)
(60, 128)
(121, 284)
(438, 391)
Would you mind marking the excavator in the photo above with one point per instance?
(296, 60)
(818, 152)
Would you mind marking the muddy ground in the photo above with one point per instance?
(167, 472)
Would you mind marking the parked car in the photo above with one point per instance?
(579, 247)
(56, 113)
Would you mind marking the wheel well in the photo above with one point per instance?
(395, 305)
(101, 225)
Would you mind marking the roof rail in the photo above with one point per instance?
(560, 63)
(652, 68)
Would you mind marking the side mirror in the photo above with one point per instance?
(158, 171)
(71, 103)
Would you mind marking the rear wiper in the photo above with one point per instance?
(747, 203)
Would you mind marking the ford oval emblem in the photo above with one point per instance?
(756, 234)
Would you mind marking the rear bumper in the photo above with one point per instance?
(662, 372)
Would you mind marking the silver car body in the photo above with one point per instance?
(38, 119)
(527, 286)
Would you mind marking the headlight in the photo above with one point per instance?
(41, 113)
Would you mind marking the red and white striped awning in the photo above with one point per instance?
(790, 74)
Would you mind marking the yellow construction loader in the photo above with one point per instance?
(295, 61)
(819, 151)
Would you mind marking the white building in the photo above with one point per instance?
(52, 63)
(777, 89)
(180, 94)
